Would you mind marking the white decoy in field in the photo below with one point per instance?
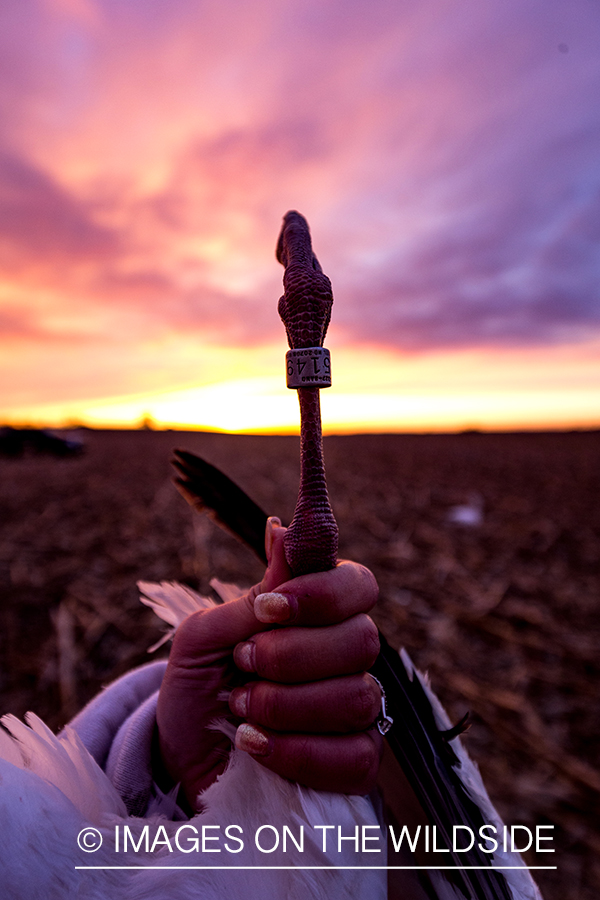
(468, 514)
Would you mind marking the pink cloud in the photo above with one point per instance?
(446, 157)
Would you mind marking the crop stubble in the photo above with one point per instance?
(503, 615)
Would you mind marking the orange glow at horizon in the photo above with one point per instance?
(149, 151)
(375, 390)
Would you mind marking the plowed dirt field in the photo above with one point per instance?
(503, 613)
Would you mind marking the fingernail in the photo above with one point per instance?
(272, 523)
(244, 656)
(238, 702)
(274, 607)
(252, 740)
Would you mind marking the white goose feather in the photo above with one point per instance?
(52, 788)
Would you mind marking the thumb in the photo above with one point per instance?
(207, 635)
(278, 571)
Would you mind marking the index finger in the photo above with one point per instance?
(320, 598)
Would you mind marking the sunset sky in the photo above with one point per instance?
(445, 153)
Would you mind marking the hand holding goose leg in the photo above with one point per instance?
(308, 709)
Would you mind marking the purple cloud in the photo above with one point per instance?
(446, 157)
(40, 220)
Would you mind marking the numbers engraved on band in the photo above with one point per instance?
(308, 367)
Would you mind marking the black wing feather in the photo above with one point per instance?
(208, 490)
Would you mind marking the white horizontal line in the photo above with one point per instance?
(319, 868)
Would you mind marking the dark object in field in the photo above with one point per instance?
(16, 442)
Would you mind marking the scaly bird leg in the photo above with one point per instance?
(311, 541)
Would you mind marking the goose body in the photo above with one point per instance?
(52, 789)
(39, 852)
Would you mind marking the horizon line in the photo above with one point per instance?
(295, 431)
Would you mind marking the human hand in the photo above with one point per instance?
(295, 662)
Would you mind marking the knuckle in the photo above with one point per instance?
(367, 702)
(369, 585)
(266, 706)
(361, 582)
(370, 640)
(271, 654)
(357, 581)
(366, 765)
(303, 760)
(330, 599)
(192, 624)
(190, 638)
(250, 597)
